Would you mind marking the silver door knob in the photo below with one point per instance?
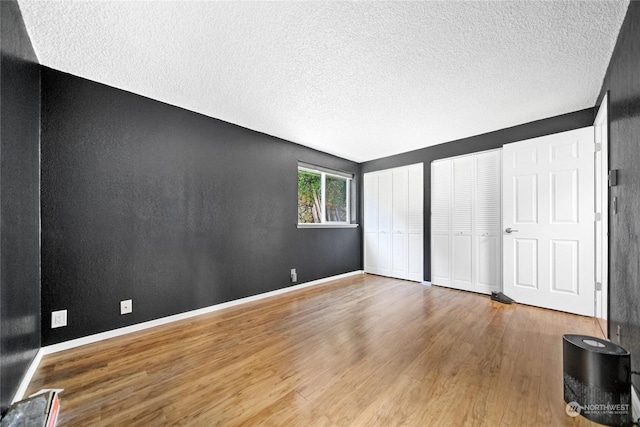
(510, 230)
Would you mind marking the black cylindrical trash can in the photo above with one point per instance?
(597, 379)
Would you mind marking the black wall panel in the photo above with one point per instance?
(174, 210)
(623, 83)
(19, 202)
(473, 144)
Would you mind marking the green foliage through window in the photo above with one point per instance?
(336, 199)
(322, 197)
(309, 207)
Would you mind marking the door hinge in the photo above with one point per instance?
(598, 217)
(598, 286)
(598, 146)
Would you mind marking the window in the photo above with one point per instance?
(323, 196)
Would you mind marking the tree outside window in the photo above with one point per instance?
(336, 199)
(322, 197)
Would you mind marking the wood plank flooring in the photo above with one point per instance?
(362, 351)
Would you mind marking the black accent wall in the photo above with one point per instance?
(19, 202)
(623, 83)
(174, 210)
(473, 144)
(177, 211)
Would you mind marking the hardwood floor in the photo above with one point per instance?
(362, 351)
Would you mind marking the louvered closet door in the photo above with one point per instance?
(415, 220)
(399, 221)
(393, 222)
(385, 218)
(370, 226)
(466, 235)
(441, 234)
(487, 230)
(378, 203)
(462, 221)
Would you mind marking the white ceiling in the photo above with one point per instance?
(361, 80)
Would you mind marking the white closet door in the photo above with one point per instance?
(399, 239)
(488, 224)
(370, 225)
(466, 236)
(441, 234)
(415, 223)
(385, 220)
(462, 216)
(393, 222)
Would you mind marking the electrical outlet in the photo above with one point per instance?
(58, 319)
(294, 275)
(126, 306)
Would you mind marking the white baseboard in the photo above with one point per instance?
(635, 404)
(28, 376)
(66, 345)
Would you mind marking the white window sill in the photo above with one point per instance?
(326, 225)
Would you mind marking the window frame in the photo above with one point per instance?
(324, 172)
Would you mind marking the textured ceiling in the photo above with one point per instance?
(361, 80)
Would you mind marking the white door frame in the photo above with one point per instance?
(601, 262)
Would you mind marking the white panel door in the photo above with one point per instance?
(548, 242)
(462, 221)
(441, 231)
